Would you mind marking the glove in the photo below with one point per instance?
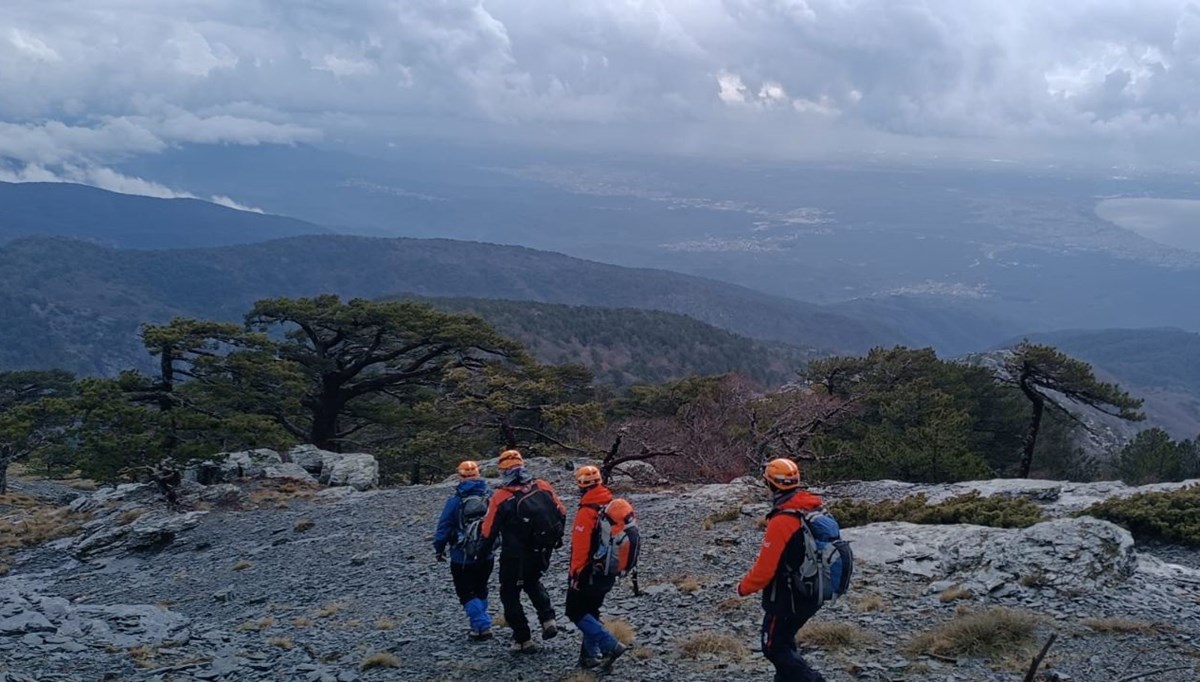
(441, 557)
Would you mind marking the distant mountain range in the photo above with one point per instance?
(78, 305)
(133, 222)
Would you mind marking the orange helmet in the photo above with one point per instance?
(588, 476)
(782, 474)
(468, 469)
(510, 459)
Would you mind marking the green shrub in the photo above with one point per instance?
(1168, 516)
(998, 512)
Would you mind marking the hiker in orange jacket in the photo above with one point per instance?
(527, 516)
(784, 610)
(586, 589)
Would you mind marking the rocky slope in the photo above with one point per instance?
(264, 580)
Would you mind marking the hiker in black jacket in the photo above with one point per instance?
(530, 519)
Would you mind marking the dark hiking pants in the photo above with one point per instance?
(523, 572)
(471, 580)
(583, 609)
(779, 646)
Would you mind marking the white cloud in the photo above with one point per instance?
(937, 73)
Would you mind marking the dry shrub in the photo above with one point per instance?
(731, 604)
(971, 508)
(622, 630)
(499, 621)
(30, 526)
(257, 625)
(990, 633)
(242, 565)
(1120, 625)
(956, 593)
(380, 659)
(84, 484)
(385, 624)
(833, 635)
(19, 500)
(330, 609)
(642, 653)
(868, 602)
(302, 621)
(687, 584)
(303, 525)
(715, 643)
(284, 643)
(580, 676)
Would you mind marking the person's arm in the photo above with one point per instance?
(446, 525)
(779, 530)
(581, 540)
(493, 520)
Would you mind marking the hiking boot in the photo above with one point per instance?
(549, 629)
(589, 663)
(610, 657)
(480, 635)
(527, 647)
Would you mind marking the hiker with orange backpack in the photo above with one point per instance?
(460, 527)
(527, 516)
(604, 546)
(802, 564)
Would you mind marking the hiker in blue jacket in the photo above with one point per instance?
(459, 527)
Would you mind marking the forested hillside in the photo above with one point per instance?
(623, 346)
(78, 306)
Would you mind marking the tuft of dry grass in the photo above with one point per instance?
(385, 623)
(130, 516)
(642, 653)
(499, 621)
(284, 643)
(277, 492)
(990, 633)
(330, 609)
(687, 584)
(868, 602)
(143, 656)
(87, 485)
(622, 630)
(580, 676)
(1120, 625)
(715, 643)
(257, 625)
(956, 593)
(303, 525)
(302, 621)
(33, 524)
(380, 659)
(726, 515)
(242, 565)
(833, 635)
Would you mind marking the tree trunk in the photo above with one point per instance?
(323, 433)
(1035, 425)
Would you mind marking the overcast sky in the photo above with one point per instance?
(86, 82)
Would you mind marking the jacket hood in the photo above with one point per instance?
(474, 486)
(800, 500)
(599, 495)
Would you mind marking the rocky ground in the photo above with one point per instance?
(262, 581)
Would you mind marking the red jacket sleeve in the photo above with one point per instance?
(489, 522)
(550, 489)
(581, 539)
(779, 530)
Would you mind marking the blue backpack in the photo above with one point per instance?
(824, 573)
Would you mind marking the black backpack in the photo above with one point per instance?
(537, 521)
(469, 537)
